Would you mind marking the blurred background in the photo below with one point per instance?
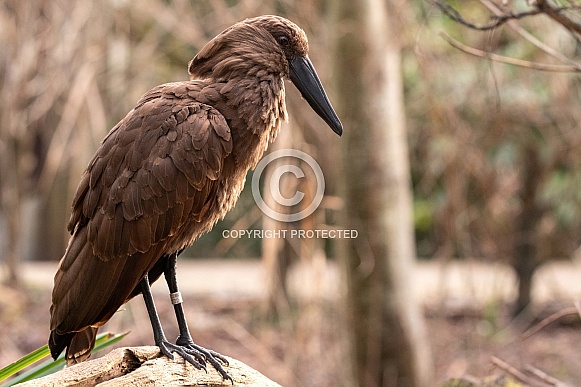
(460, 173)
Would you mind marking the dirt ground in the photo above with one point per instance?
(305, 347)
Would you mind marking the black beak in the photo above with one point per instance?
(304, 77)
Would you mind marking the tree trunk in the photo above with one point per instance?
(525, 260)
(388, 344)
(10, 212)
(143, 366)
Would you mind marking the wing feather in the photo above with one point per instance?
(147, 192)
(156, 168)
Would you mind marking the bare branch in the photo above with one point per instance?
(542, 7)
(530, 37)
(555, 316)
(557, 15)
(513, 371)
(578, 307)
(508, 60)
(497, 20)
(541, 375)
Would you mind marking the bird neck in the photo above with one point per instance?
(259, 103)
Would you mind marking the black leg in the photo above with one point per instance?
(185, 339)
(165, 346)
(176, 299)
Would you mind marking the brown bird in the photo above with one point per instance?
(168, 172)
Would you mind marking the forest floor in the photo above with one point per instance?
(470, 331)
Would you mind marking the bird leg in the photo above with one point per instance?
(185, 339)
(165, 346)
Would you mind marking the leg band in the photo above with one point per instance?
(176, 298)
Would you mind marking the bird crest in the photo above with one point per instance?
(261, 44)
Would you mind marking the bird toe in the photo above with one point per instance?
(192, 357)
(212, 357)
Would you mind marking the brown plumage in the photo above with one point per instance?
(168, 171)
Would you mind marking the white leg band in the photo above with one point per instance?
(176, 298)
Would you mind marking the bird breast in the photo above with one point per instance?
(254, 110)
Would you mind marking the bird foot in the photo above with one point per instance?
(195, 355)
(203, 354)
(195, 358)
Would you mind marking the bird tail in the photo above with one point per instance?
(79, 344)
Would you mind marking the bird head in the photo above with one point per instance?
(266, 44)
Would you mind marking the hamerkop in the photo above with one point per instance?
(168, 172)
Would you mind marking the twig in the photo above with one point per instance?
(508, 60)
(493, 7)
(556, 15)
(513, 371)
(555, 316)
(578, 307)
(541, 375)
(499, 20)
(506, 17)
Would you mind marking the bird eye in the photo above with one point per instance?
(283, 40)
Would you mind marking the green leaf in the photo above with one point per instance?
(47, 367)
(107, 339)
(24, 362)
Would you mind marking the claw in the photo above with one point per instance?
(210, 356)
(184, 346)
(192, 357)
